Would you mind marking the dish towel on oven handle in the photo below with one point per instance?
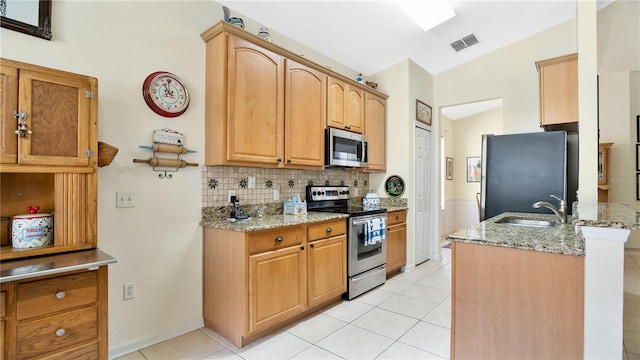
(375, 231)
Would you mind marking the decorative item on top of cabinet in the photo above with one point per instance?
(106, 153)
(558, 87)
(48, 143)
(604, 167)
(167, 141)
(396, 241)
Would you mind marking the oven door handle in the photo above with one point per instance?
(363, 222)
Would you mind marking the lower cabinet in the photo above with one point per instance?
(255, 282)
(396, 241)
(55, 317)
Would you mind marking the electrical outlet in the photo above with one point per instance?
(276, 194)
(124, 199)
(251, 182)
(231, 193)
(129, 290)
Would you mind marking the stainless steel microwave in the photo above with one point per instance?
(345, 149)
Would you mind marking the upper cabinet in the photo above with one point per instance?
(558, 81)
(267, 107)
(48, 117)
(345, 106)
(375, 129)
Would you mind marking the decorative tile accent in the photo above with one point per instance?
(310, 182)
(229, 177)
(243, 183)
(292, 183)
(355, 182)
(213, 183)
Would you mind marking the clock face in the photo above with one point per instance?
(165, 94)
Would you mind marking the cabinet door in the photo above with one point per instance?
(355, 109)
(58, 109)
(559, 90)
(305, 115)
(327, 269)
(255, 104)
(396, 247)
(8, 105)
(336, 107)
(277, 281)
(375, 129)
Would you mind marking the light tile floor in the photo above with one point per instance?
(409, 317)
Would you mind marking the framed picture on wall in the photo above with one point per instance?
(474, 169)
(637, 186)
(423, 112)
(637, 157)
(638, 128)
(449, 168)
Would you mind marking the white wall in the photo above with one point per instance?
(508, 73)
(158, 242)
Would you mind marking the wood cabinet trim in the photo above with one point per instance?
(222, 26)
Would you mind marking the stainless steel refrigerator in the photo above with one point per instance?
(521, 169)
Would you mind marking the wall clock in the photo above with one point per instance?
(165, 94)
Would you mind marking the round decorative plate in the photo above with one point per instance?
(394, 186)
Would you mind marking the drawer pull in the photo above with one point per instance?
(329, 230)
(60, 332)
(279, 239)
(397, 217)
(312, 245)
(60, 295)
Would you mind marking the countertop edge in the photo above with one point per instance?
(53, 264)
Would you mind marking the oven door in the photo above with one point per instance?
(364, 254)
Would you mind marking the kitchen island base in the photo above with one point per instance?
(515, 303)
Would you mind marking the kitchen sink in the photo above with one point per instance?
(525, 222)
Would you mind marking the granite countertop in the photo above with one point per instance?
(559, 239)
(612, 215)
(271, 221)
(395, 208)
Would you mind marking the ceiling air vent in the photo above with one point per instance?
(464, 43)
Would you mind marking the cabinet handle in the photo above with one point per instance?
(301, 247)
(312, 245)
(279, 239)
(279, 160)
(397, 217)
(60, 332)
(329, 230)
(60, 295)
(288, 161)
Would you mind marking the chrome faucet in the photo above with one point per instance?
(560, 212)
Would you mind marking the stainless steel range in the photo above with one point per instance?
(366, 236)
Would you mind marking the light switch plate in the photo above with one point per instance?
(124, 199)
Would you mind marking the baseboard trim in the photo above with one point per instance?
(135, 345)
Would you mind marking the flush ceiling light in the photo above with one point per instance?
(427, 14)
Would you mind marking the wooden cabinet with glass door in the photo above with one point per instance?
(48, 154)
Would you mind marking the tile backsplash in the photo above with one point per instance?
(218, 180)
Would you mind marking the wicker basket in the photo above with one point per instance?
(106, 153)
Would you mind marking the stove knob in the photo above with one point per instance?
(347, 192)
(314, 193)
